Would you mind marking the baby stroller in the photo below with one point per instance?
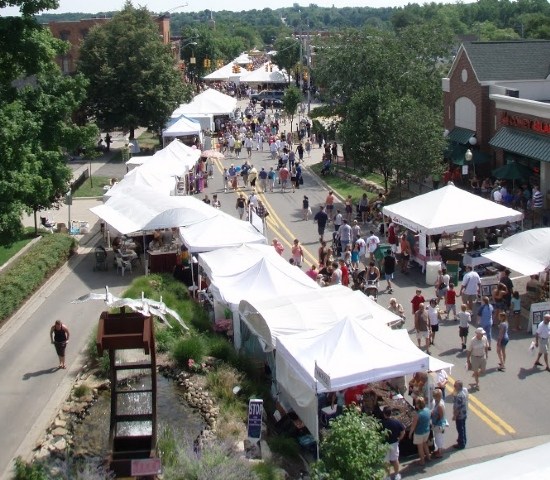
(100, 259)
(371, 289)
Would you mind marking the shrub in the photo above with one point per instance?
(268, 471)
(221, 348)
(93, 358)
(29, 272)
(222, 381)
(29, 471)
(188, 348)
(165, 338)
(82, 390)
(287, 447)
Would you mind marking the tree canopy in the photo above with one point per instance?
(37, 104)
(132, 74)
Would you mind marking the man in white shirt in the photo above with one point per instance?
(372, 244)
(362, 249)
(477, 354)
(345, 235)
(541, 341)
(337, 220)
(470, 287)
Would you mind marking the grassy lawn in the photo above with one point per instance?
(149, 142)
(344, 187)
(8, 251)
(86, 189)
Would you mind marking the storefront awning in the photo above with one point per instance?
(460, 135)
(527, 144)
(458, 153)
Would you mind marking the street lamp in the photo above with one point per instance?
(468, 156)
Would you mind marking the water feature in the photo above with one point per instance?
(92, 434)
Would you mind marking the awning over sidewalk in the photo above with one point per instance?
(523, 143)
(460, 135)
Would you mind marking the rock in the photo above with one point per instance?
(60, 445)
(42, 453)
(58, 422)
(67, 408)
(59, 432)
(265, 451)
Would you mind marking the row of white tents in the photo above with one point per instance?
(266, 73)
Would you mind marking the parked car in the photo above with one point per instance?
(258, 97)
(276, 101)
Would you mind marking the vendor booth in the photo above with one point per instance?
(208, 102)
(348, 354)
(138, 180)
(266, 74)
(249, 271)
(321, 308)
(447, 210)
(187, 130)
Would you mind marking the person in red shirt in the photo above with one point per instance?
(417, 300)
(278, 246)
(450, 300)
(345, 273)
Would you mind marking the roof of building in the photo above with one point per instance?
(512, 60)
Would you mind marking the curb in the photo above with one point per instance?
(20, 252)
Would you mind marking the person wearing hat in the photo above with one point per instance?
(477, 354)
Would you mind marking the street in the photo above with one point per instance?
(505, 409)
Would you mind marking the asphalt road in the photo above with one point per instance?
(509, 406)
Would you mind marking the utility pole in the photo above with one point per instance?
(308, 53)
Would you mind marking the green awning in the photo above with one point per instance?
(460, 135)
(527, 144)
(459, 152)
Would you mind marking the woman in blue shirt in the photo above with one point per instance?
(420, 427)
(485, 314)
(502, 339)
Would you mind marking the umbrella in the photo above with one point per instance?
(513, 171)
(213, 154)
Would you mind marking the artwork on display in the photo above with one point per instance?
(537, 313)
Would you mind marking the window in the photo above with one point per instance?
(465, 113)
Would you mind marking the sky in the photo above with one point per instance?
(160, 6)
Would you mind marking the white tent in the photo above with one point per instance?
(209, 102)
(274, 317)
(526, 252)
(221, 74)
(221, 231)
(447, 210)
(260, 75)
(144, 210)
(138, 179)
(350, 353)
(175, 159)
(251, 271)
(527, 464)
(184, 127)
(139, 160)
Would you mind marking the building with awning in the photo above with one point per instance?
(497, 106)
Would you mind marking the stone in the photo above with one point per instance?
(60, 445)
(58, 422)
(59, 432)
(265, 451)
(42, 453)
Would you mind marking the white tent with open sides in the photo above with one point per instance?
(350, 353)
(447, 210)
(208, 102)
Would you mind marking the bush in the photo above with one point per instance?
(29, 471)
(287, 447)
(165, 338)
(30, 271)
(221, 348)
(93, 358)
(268, 471)
(222, 381)
(82, 390)
(188, 348)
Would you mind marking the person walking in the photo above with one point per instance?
(59, 336)
(485, 314)
(434, 315)
(541, 341)
(422, 327)
(460, 413)
(306, 210)
(420, 430)
(396, 433)
(240, 205)
(502, 340)
(464, 318)
(477, 355)
(321, 218)
(439, 422)
(389, 269)
(297, 253)
(470, 287)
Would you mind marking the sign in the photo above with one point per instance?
(524, 122)
(322, 376)
(255, 410)
(537, 313)
(487, 285)
(145, 466)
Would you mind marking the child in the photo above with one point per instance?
(516, 308)
(355, 257)
(464, 318)
(417, 300)
(450, 300)
(347, 256)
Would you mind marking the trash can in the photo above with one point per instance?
(432, 269)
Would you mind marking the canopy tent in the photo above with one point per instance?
(144, 209)
(348, 354)
(221, 231)
(267, 73)
(274, 317)
(522, 465)
(243, 59)
(183, 127)
(251, 271)
(138, 180)
(139, 160)
(526, 252)
(208, 102)
(175, 159)
(447, 210)
(221, 74)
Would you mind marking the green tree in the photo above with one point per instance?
(133, 79)
(291, 100)
(354, 447)
(37, 106)
(288, 54)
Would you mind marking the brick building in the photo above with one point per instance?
(75, 32)
(497, 105)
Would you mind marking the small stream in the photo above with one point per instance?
(92, 434)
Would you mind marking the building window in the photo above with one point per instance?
(84, 32)
(66, 64)
(65, 35)
(465, 113)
